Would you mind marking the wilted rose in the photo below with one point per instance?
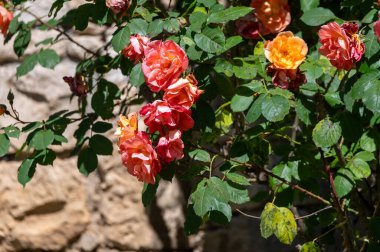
(341, 44)
(170, 147)
(5, 19)
(286, 78)
(127, 127)
(286, 51)
(118, 6)
(135, 50)
(274, 15)
(77, 84)
(249, 27)
(160, 116)
(140, 158)
(163, 64)
(184, 92)
(3, 109)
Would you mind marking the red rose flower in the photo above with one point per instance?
(170, 147)
(5, 19)
(135, 50)
(341, 44)
(139, 157)
(184, 92)
(160, 116)
(163, 64)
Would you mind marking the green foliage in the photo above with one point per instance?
(316, 144)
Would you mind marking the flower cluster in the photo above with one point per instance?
(163, 63)
(286, 53)
(269, 16)
(341, 44)
(5, 18)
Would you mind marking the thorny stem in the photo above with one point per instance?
(348, 240)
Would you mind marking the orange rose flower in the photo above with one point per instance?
(184, 92)
(274, 15)
(140, 158)
(5, 19)
(127, 127)
(163, 64)
(286, 51)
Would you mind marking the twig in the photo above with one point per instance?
(299, 218)
(63, 32)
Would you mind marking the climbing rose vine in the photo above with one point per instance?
(262, 104)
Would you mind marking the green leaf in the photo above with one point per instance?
(156, 27)
(359, 168)
(4, 145)
(284, 171)
(27, 65)
(367, 142)
(207, 3)
(310, 247)
(192, 222)
(136, 77)
(149, 192)
(101, 127)
(254, 112)
(101, 145)
(246, 71)
(87, 161)
(371, 96)
(218, 189)
(200, 155)
(237, 194)
(369, 17)
(275, 108)
(229, 14)
(211, 40)
(240, 103)
(12, 131)
(364, 83)
(366, 156)
(138, 26)
(238, 179)
(303, 113)
(48, 58)
(45, 157)
(317, 16)
(326, 133)
(344, 182)
(22, 41)
(26, 171)
(372, 46)
(120, 39)
(309, 4)
(42, 139)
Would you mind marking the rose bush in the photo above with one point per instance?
(274, 103)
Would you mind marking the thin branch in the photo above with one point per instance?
(63, 32)
(299, 218)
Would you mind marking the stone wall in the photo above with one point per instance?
(61, 210)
